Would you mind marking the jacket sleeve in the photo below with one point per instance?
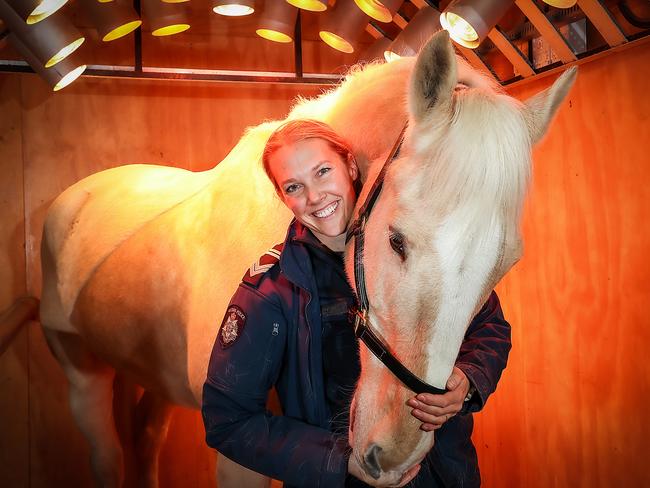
(484, 352)
(237, 424)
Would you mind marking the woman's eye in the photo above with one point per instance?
(323, 170)
(397, 243)
(291, 188)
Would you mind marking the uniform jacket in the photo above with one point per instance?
(271, 337)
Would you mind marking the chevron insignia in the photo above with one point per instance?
(266, 261)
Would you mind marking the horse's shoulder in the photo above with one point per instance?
(263, 265)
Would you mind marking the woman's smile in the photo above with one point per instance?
(326, 211)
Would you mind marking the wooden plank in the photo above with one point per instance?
(510, 51)
(547, 30)
(603, 21)
(400, 21)
(373, 31)
(14, 373)
(594, 57)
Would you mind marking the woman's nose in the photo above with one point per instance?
(314, 195)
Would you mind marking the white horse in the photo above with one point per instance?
(139, 261)
(442, 234)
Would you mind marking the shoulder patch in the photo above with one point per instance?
(232, 326)
(266, 261)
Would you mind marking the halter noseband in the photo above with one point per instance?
(362, 328)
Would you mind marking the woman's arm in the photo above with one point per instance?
(482, 358)
(243, 367)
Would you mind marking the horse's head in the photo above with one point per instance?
(442, 234)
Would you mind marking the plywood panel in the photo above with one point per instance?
(14, 468)
(570, 410)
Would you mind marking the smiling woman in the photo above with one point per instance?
(288, 326)
(314, 172)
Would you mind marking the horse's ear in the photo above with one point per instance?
(434, 76)
(541, 108)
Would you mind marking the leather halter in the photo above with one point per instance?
(362, 327)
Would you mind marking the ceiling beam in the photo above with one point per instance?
(181, 74)
(510, 51)
(373, 31)
(547, 30)
(603, 21)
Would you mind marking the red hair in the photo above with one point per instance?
(298, 130)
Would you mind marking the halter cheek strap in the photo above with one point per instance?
(362, 328)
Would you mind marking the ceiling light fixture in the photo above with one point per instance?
(112, 19)
(33, 11)
(49, 40)
(235, 8)
(469, 21)
(58, 76)
(382, 11)
(311, 5)
(277, 22)
(561, 3)
(165, 19)
(376, 51)
(418, 31)
(343, 26)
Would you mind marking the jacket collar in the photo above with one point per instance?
(294, 260)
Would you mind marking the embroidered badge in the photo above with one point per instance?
(232, 326)
(266, 261)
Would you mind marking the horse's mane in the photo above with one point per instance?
(361, 76)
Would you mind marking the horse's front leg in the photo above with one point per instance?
(91, 403)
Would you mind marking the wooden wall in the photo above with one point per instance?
(570, 407)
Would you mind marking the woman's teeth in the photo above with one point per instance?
(327, 211)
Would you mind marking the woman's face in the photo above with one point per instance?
(317, 186)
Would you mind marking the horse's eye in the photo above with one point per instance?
(397, 243)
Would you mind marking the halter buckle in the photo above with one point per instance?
(360, 319)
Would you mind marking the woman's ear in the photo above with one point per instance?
(353, 169)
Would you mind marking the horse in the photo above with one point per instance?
(442, 233)
(139, 261)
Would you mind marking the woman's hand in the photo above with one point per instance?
(435, 410)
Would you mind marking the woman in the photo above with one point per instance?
(287, 327)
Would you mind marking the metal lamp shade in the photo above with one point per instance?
(277, 22)
(311, 5)
(50, 40)
(236, 8)
(376, 51)
(469, 21)
(58, 76)
(165, 19)
(33, 11)
(561, 3)
(382, 11)
(418, 31)
(343, 26)
(112, 19)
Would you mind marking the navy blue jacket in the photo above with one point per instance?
(273, 339)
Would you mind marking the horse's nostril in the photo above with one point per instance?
(371, 460)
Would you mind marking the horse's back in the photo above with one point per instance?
(90, 219)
